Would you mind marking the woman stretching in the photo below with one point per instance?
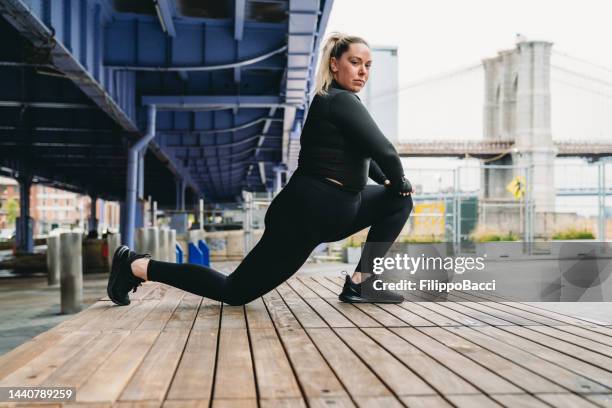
(325, 200)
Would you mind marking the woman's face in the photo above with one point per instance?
(352, 69)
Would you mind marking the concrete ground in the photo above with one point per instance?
(28, 306)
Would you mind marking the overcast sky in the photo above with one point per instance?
(440, 35)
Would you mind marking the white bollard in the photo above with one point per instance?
(71, 275)
(163, 245)
(53, 260)
(152, 242)
(141, 243)
(172, 246)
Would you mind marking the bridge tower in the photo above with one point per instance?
(517, 107)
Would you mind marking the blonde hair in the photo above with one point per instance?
(335, 45)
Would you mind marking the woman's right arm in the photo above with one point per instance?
(349, 114)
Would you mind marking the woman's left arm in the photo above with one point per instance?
(376, 174)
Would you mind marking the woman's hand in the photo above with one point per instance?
(404, 188)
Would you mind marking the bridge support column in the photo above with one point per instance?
(25, 223)
(93, 220)
(517, 107)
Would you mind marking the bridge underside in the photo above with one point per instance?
(229, 80)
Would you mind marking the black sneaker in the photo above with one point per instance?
(122, 280)
(364, 292)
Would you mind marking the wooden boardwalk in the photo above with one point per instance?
(299, 346)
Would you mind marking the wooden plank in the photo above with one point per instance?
(435, 373)
(560, 317)
(476, 314)
(279, 312)
(428, 314)
(153, 377)
(574, 339)
(208, 316)
(108, 317)
(479, 376)
(134, 316)
(185, 313)
(322, 291)
(352, 372)
(194, 375)
(380, 315)
(43, 365)
(330, 315)
(282, 403)
(585, 369)
(304, 291)
(318, 382)
(588, 334)
(331, 402)
(316, 378)
(548, 319)
(406, 315)
(275, 378)
(28, 351)
(603, 400)
(234, 378)
(472, 401)
(76, 371)
(395, 375)
(516, 374)
(89, 314)
(300, 309)
(566, 401)
(163, 310)
(257, 315)
(581, 353)
(426, 401)
(137, 404)
(186, 404)
(519, 401)
(491, 309)
(234, 403)
(107, 382)
(377, 402)
(354, 314)
(558, 374)
(451, 314)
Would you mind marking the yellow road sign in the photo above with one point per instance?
(517, 187)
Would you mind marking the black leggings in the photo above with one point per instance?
(307, 212)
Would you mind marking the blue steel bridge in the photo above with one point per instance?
(174, 99)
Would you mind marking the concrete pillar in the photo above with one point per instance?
(71, 275)
(53, 260)
(113, 241)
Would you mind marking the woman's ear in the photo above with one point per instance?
(333, 64)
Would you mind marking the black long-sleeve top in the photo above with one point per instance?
(340, 140)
